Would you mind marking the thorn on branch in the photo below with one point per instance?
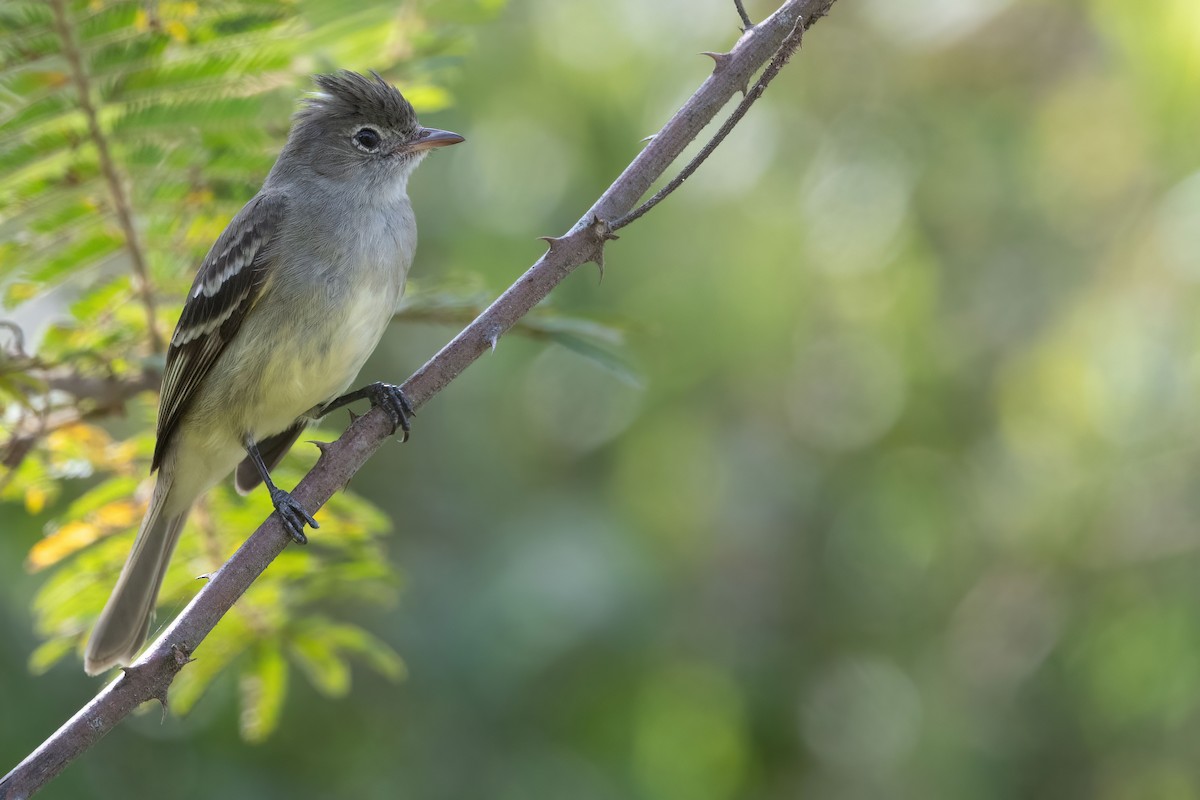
(552, 241)
(322, 446)
(599, 232)
(161, 697)
(492, 337)
(720, 60)
(182, 658)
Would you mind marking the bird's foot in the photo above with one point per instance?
(391, 399)
(292, 514)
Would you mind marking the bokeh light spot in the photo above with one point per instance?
(690, 741)
(845, 393)
(1178, 228)
(853, 211)
(862, 713)
(928, 23)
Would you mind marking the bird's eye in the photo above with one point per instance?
(367, 139)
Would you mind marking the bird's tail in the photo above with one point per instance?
(125, 620)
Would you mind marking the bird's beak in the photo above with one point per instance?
(429, 138)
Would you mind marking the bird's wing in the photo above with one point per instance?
(227, 286)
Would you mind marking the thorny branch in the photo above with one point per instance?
(149, 677)
(789, 46)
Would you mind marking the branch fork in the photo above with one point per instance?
(584, 244)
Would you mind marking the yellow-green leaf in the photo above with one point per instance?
(262, 688)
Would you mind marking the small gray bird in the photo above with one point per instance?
(284, 311)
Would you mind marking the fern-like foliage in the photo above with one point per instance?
(169, 113)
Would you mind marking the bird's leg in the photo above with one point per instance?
(289, 509)
(387, 396)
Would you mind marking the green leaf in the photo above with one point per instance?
(49, 653)
(262, 687)
(315, 653)
(115, 488)
(466, 11)
(90, 249)
(377, 653)
(100, 299)
(609, 360)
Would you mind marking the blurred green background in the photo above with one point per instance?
(904, 502)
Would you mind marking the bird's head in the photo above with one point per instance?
(361, 129)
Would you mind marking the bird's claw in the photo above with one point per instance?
(391, 399)
(293, 515)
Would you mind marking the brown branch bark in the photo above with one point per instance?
(116, 188)
(149, 677)
(102, 392)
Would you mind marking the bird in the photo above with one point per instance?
(284, 310)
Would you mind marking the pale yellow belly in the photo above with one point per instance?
(319, 369)
(277, 371)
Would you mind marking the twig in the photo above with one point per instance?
(94, 397)
(149, 677)
(789, 46)
(104, 392)
(70, 46)
(741, 9)
(18, 335)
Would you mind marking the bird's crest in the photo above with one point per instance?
(346, 95)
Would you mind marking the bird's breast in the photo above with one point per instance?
(342, 292)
